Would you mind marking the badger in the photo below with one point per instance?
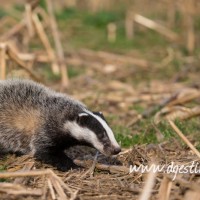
(38, 121)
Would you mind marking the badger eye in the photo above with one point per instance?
(104, 134)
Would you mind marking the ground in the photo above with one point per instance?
(137, 101)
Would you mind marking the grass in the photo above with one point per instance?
(19, 7)
(73, 72)
(137, 107)
(50, 76)
(2, 169)
(102, 18)
(146, 133)
(88, 30)
(2, 13)
(82, 29)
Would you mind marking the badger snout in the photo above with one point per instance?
(109, 151)
(116, 150)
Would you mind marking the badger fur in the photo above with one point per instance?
(38, 121)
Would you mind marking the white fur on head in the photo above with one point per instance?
(107, 128)
(82, 114)
(81, 133)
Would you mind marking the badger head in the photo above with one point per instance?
(92, 128)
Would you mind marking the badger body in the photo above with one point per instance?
(39, 121)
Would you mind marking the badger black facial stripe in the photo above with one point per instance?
(81, 133)
(106, 127)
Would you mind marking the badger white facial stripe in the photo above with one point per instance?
(83, 114)
(106, 127)
(85, 134)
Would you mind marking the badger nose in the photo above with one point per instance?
(116, 150)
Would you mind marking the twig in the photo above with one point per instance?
(65, 186)
(165, 188)
(129, 24)
(26, 167)
(188, 11)
(44, 189)
(42, 57)
(148, 186)
(155, 26)
(93, 165)
(11, 186)
(58, 188)
(111, 29)
(177, 112)
(191, 185)
(13, 55)
(182, 136)
(51, 189)
(44, 39)
(57, 182)
(16, 29)
(183, 96)
(26, 173)
(58, 45)
(193, 112)
(35, 192)
(110, 168)
(113, 58)
(74, 195)
(29, 21)
(17, 189)
(168, 59)
(91, 169)
(41, 12)
(33, 3)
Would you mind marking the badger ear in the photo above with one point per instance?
(97, 113)
(100, 114)
(82, 118)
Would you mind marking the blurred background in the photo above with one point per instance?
(138, 62)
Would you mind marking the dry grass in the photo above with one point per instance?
(113, 182)
(109, 178)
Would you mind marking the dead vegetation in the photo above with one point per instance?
(25, 177)
(108, 86)
(31, 26)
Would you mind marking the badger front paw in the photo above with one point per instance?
(59, 160)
